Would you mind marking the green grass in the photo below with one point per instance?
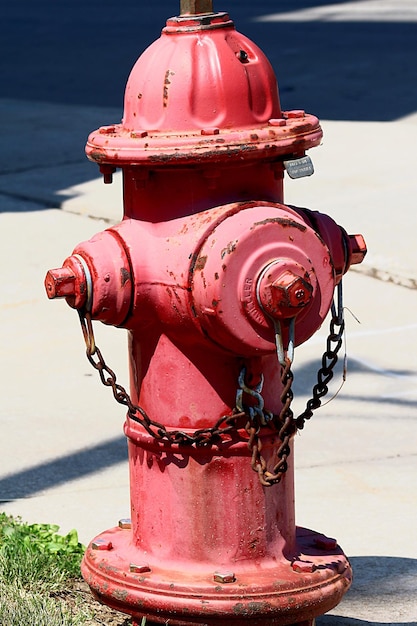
(35, 562)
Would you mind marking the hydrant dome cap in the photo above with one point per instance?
(201, 91)
(187, 81)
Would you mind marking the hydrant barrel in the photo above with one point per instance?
(216, 281)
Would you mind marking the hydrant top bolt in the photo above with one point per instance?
(195, 7)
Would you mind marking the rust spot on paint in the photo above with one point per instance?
(167, 83)
(119, 594)
(221, 151)
(200, 263)
(231, 247)
(282, 221)
(125, 276)
(97, 155)
(250, 608)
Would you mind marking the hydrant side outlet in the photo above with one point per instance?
(216, 281)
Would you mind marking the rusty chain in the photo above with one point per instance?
(285, 423)
(226, 425)
(329, 359)
(251, 418)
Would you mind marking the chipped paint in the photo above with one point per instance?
(200, 263)
(124, 275)
(167, 83)
(231, 247)
(282, 221)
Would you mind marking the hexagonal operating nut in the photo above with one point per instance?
(283, 293)
(290, 290)
(195, 7)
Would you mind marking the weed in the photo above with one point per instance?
(34, 561)
(40, 579)
(35, 555)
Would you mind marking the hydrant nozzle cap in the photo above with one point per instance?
(68, 282)
(195, 7)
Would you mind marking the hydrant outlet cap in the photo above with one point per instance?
(69, 281)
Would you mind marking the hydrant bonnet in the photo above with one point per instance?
(202, 91)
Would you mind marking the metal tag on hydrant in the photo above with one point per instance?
(299, 168)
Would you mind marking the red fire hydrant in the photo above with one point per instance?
(216, 281)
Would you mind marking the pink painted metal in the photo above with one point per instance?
(202, 93)
(206, 258)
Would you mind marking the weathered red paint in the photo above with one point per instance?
(206, 255)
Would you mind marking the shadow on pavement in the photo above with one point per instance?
(50, 474)
(336, 620)
(305, 377)
(376, 580)
(80, 54)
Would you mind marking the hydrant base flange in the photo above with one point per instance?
(273, 591)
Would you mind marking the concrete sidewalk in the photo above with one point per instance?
(62, 450)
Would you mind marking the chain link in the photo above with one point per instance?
(250, 418)
(226, 425)
(285, 424)
(329, 359)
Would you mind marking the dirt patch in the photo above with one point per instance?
(77, 596)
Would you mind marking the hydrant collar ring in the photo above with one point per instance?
(88, 281)
(195, 23)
